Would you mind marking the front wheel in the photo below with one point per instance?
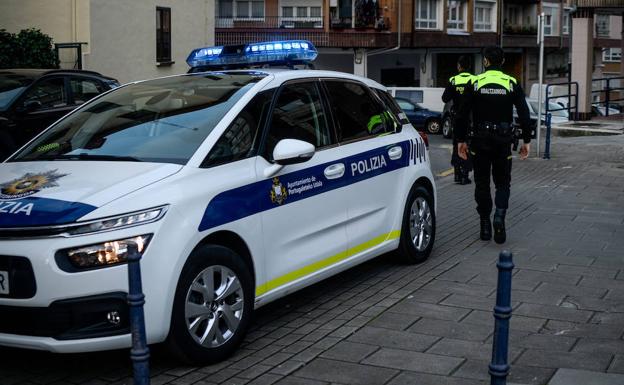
(433, 126)
(212, 306)
(447, 128)
(419, 226)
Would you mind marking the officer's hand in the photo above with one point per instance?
(524, 150)
(462, 150)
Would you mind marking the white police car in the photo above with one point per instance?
(238, 187)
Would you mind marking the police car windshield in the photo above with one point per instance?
(162, 120)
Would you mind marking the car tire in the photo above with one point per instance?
(433, 126)
(418, 227)
(447, 128)
(208, 322)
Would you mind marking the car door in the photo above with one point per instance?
(42, 104)
(305, 214)
(374, 162)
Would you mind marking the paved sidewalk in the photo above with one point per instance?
(387, 323)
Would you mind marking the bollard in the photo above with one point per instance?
(139, 353)
(499, 368)
(548, 130)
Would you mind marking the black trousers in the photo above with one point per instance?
(491, 157)
(462, 166)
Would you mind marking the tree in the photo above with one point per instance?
(30, 48)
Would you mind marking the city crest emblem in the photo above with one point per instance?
(278, 192)
(29, 184)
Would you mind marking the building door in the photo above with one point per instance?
(398, 77)
(513, 66)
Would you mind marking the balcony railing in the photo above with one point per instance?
(269, 22)
(515, 29)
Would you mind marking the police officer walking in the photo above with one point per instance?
(453, 92)
(491, 98)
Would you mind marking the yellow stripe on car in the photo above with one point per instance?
(307, 270)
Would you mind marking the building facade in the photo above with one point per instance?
(417, 42)
(128, 40)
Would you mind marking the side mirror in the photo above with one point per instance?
(292, 151)
(32, 105)
(289, 151)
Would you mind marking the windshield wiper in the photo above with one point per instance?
(114, 158)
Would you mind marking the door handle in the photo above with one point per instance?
(395, 152)
(335, 171)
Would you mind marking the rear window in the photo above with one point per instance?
(163, 120)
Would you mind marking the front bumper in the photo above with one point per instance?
(89, 317)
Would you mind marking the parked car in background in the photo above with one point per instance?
(558, 114)
(421, 117)
(32, 99)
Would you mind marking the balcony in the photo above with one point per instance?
(516, 29)
(269, 22)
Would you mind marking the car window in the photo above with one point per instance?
(84, 89)
(392, 105)
(405, 105)
(11, 86)
(298, 114)
(240, 138)
(49, 92)
(162, 120)
(358, 113)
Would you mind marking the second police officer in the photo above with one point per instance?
(453, 92)
(490, 99)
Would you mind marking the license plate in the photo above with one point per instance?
(4, 282)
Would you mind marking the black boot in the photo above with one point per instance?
(500, 236)
(458, 174)
(486, 228)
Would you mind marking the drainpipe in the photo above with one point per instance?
(385, 50)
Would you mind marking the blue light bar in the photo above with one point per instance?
(269, 52)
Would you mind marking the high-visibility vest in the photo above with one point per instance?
(494, 77)
(460, 81)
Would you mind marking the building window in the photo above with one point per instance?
(612, 55)
(602, 25)
(483, 16)
(456, 15)
(426, 14)
(513, 14)
(315, 11)
(287, 11)
(567, 23)
(163, 34)
(550, 20)
(302, 11)
(243, 9)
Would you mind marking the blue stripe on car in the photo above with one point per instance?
(254, 198)
(34, 211)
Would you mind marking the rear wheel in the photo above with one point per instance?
(419, 225)
(212, 306)
(433, 126)
(447, 128)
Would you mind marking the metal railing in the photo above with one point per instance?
(269, 22)
(570, 96)
(605, 92)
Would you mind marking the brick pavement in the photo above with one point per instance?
(387, 323)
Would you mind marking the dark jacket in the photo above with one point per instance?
(490, 99)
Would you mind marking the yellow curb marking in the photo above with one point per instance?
(447, 172)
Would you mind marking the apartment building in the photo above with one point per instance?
(128, 40)
(417, 42)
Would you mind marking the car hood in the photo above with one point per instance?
(59, 192)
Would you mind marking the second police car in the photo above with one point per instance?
(238, 187)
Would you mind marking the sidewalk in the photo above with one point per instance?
(386, 323)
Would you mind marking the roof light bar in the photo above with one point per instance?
(269, 52)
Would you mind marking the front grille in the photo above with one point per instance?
(68, 319)
(21, 277)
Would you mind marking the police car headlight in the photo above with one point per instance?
(119, 221)
(105, 253)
